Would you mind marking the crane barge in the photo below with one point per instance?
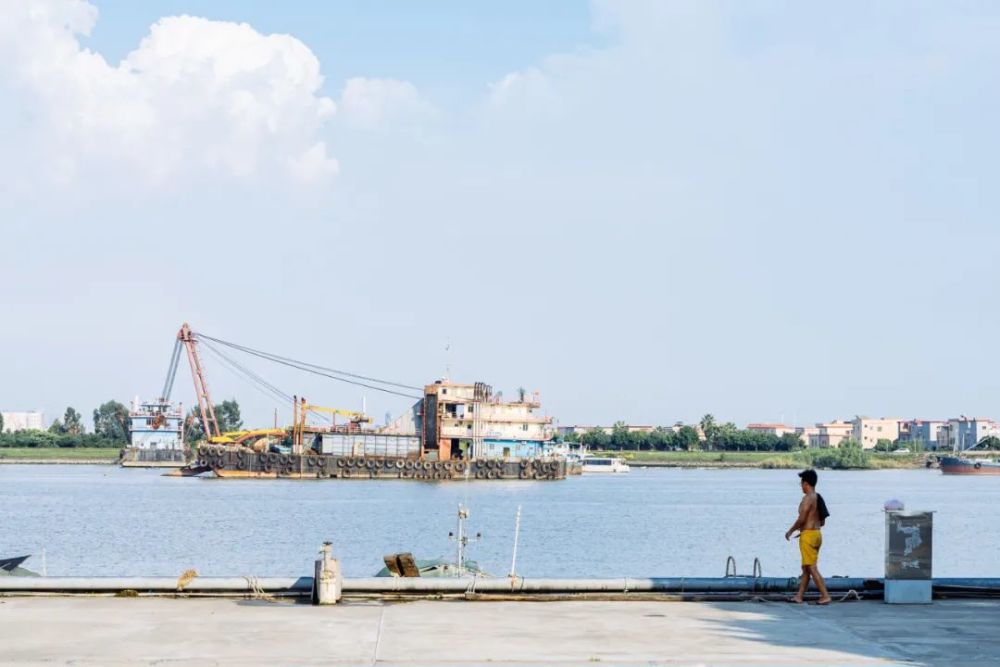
(452, 431)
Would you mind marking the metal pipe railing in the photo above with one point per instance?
(417, 585)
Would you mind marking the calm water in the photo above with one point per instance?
(667, 522)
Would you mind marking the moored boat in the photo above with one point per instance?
(959, 465)
(604, 464)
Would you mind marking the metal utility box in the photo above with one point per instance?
(908, 557)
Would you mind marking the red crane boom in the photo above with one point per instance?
(208, 421)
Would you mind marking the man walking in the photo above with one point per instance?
(812, 515)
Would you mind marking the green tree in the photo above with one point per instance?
(595, 439)
(687, 438)
(56, 427)
(661, 439)
(851, 455)
(990, 442)
(227, 414)
(789, 442)
(639, 441)
(709, 429)
(884, 445)
(620, 437)
(72, 424)
(111, 421)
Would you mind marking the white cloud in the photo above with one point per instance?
(369, 103)
(196, 98)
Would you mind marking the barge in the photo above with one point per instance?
(454, 432)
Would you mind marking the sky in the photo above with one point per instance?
(647, 211)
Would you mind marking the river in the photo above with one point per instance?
(104, 520)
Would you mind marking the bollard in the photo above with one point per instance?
(327, 582)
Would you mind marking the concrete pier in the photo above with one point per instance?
(108, 631)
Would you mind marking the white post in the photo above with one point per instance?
(327, 581)
(517, 531)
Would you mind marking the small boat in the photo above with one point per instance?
(405, 565)
(958, 465)
(11, 567)
(604, 464)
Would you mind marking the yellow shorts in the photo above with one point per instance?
(809, 543)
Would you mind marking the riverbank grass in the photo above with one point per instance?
(59, 453)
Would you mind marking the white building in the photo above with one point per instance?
(868, 431)
(23, 421)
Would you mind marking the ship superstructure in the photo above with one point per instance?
(469, 421)
(156, 437)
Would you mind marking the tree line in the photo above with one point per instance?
(111, 427)
(717, 437)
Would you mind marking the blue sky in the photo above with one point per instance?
(449, 47)
(645, 210)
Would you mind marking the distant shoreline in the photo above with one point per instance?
(59, 455)
(760, 460)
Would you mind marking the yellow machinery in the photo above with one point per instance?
(302, 408)
(242, 437)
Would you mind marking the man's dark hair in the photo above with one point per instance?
(809, 476)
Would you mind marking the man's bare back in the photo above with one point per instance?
(809, 513)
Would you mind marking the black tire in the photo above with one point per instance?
(480, 474)
(341, 463)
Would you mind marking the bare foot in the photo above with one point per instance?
(796, 600)
(823, 601)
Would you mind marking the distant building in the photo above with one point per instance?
(830, 434)
(927, 432)
(806, 434)
(867, 431)
(772, 429)
(23, 421)
(967, 432)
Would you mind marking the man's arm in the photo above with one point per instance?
(804, 508)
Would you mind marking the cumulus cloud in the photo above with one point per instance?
(367, 103)
(195, 98)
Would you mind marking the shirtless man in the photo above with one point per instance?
(810, 538)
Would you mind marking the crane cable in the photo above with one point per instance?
(168, 384)
(259, 383)
(315, 369)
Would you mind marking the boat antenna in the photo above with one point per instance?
(462, 539)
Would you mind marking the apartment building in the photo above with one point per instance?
(830, 434)
(868, 431)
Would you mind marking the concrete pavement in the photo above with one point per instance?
(103, 631)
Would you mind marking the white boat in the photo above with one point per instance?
(604, 464)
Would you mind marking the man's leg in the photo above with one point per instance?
(803, 584)
(824, 596)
